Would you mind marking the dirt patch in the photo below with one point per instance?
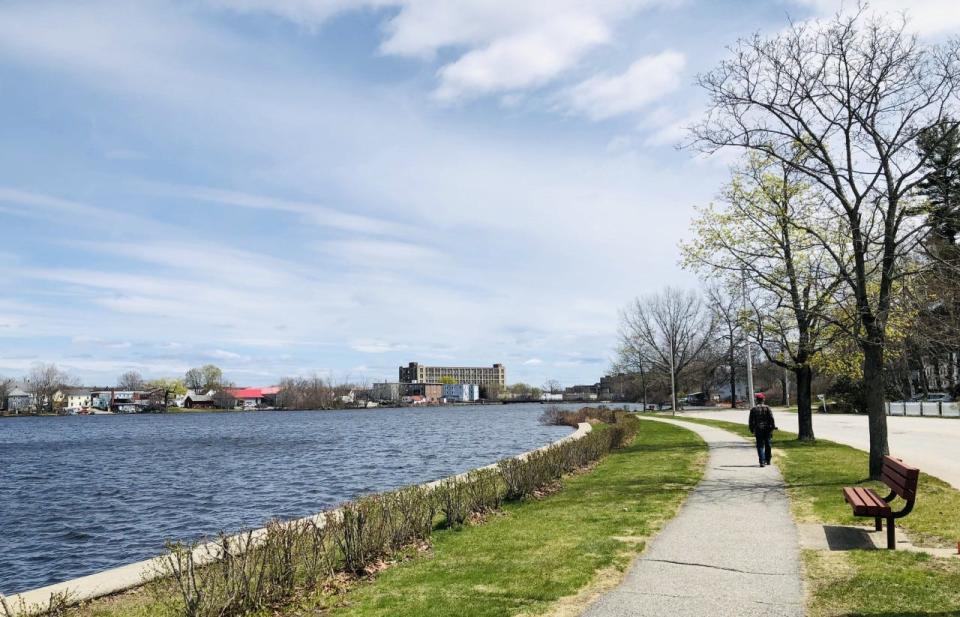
(572, 606)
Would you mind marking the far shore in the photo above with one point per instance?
(183, 410)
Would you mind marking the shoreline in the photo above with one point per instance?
(186, 411)
(130, 576)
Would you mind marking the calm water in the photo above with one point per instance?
(83, 494)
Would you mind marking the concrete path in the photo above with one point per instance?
(928, 443)
(731, 550)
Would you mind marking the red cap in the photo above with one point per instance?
(760, 396)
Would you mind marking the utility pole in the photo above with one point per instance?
(786, 386)
(749, 351)
(673, 379)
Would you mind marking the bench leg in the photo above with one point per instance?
(878, 523)
(891, 535)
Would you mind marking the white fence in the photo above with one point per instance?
(920, 408)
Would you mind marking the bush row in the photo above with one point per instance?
(262, 569)
(557, 416)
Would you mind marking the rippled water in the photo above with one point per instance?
(83, 494)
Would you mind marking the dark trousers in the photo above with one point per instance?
(763, 446)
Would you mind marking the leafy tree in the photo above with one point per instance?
(759, 239)
(448, 380)
(206, 378)
(170, 388)
(843, 102)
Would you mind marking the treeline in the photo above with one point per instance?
(834, 243)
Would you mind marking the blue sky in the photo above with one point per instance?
(342, 186)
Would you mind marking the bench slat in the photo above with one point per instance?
(865, 502)
(900, 477)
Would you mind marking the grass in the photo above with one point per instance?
(520, 559)
(878, 583)
(534, 553)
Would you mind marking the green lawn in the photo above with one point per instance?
(538, 552)
(879, 583)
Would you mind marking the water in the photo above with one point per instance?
(82, 494)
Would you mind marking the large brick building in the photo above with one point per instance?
(415, 372)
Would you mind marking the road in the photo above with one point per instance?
(932, 444)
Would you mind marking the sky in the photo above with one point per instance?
(289, 187)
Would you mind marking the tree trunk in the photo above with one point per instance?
(804, 379)
(875, 404)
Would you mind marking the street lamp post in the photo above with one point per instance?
(749, 351)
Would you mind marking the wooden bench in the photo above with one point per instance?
(902, 480)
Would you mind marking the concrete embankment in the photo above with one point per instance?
(135, 574)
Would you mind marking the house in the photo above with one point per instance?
(74, 398)
(20, 401)
(197, 401)
(246, 398)
(270, 394)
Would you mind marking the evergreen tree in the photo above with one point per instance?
(940, 146)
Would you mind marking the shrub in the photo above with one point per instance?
(255, 570)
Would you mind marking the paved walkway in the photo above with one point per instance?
(731, 550)
(928, 443)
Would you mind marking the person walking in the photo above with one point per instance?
(762, 426)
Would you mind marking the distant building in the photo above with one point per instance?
(461, 392)
(247, 398)
(193, 400)
(581, 393)
(19, 401)
(425, 392)
(385, 392)
(74, 398)
(415, 372)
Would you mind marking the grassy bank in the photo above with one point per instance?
(519, 558)
(862, 582)
(539, 551)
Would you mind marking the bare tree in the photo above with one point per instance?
(843, 102)
(6, 386)
(552, 386)
(727, 313)
(634, 356)
(131, 380)
(43, 381)
(673, 327)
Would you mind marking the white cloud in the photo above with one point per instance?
(490, 223)
(529, 58)
(374, 346)
(222, 354)
(646, 80)
(504, 45)
(533, 362)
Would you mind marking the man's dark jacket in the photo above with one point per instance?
(761, 420)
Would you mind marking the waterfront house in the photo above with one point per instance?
(194, 400)
(19, 401)
(247, 398)
(74, 398)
